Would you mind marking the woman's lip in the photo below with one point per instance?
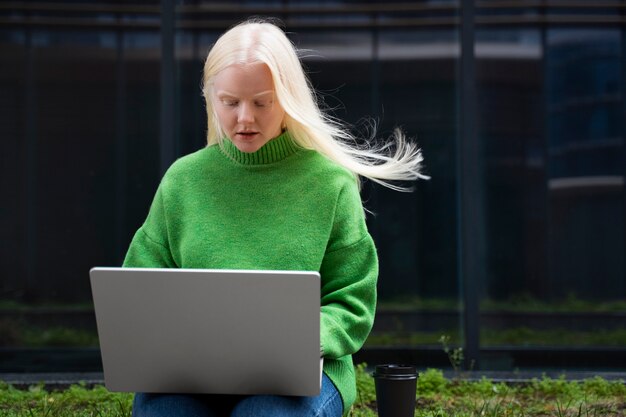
(247, 135)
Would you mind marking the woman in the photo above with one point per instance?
(276, 188)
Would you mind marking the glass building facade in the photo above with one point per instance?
(513, 250)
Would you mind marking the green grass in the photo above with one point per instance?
(436, 396)
(77, 401)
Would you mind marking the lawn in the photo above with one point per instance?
(542, 397)
(436, 397)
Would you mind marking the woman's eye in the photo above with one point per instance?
(262, 103)
(230, 103)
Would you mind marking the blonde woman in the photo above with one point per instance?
(277, 188)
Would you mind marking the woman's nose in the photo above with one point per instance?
(246, 113)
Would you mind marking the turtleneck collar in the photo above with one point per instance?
(273, 151)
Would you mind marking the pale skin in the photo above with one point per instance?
(246, 106)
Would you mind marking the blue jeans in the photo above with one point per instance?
(327, 404)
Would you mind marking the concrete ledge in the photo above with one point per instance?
(53, 381)
(524, 377)
(62, 380)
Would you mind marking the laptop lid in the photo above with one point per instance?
(208, 331)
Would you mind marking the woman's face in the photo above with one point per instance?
(246, 106)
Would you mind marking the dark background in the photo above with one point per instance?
(521, 227)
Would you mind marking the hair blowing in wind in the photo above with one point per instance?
(386, 163)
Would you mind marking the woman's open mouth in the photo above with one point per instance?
(247, 135)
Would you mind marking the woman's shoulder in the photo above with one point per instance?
(193, 165)
(192, 162)
(329, 171)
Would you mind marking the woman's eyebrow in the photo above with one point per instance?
(263, 93)
(223, 93)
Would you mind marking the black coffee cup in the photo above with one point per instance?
(395, 390)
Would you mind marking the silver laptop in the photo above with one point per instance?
(208, 331)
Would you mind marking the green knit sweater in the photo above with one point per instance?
(280, 208)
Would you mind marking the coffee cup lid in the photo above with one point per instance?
(395, 370)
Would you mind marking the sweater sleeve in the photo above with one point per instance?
(150, 246)
(349, 273)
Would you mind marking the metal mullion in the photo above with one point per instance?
(543, 4)
(76, 23)
(470, 227)
(31, 171)
(547, 272)
(78, 8)
(550, 20)
(121, 173)
(210, 8)
(339, 9)
(623, 87)
(423, 22)
(222, 24)
(167, 114)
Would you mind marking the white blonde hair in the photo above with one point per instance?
(260, 41)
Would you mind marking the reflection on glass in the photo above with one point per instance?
(416, 83)
(553, 138)
(80, 129)
(586, 164)
(85, 138)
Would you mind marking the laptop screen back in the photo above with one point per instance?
(208, 331)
